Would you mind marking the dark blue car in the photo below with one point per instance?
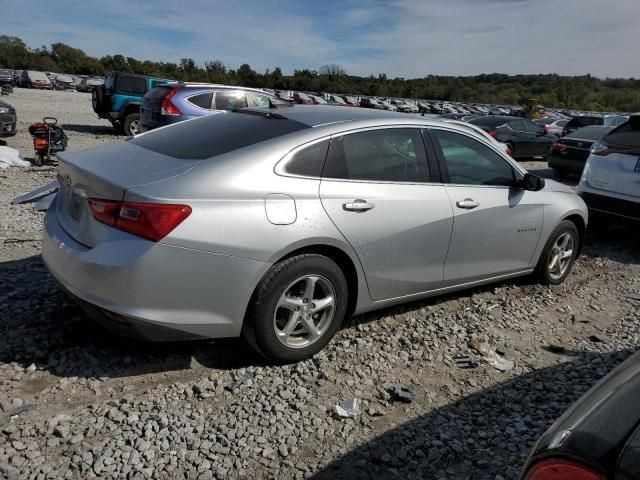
(176, 101)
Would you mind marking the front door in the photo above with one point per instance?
(496, 227)
(376, 189)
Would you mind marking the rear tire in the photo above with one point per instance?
(559, 254)
(131, 124)
(38, 160)
(98, 100)
(285, 323)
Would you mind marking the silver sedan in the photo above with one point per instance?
(276, 224)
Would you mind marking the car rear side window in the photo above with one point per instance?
(309, 161)
(230, 100)
(470, 162)
(214, 135)
(627, 134)
(127, 84)
(202, 100)
(385, 155)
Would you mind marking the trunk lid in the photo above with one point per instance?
(577, 149)
(107, 173)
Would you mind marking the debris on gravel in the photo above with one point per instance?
(114, 408)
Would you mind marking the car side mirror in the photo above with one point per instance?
(531, 182)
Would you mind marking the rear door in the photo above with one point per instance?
(496, 227)
(540, 143)
(524, 142)
(618, 170)
(381, 193)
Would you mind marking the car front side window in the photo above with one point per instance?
(385, 155)
(257, 100)
(230, 100)
(469, 162)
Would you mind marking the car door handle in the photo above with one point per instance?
(358, 205)
(468, 203)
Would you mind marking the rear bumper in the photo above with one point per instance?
(606, 204)
(567, 164)
(151, 290)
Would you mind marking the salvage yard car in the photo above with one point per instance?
(276, 224)
(569, 153)
(175, 102)
(610, 182)
(118, 100)
(8, 120)
(598, 438)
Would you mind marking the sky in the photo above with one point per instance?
(401, 38)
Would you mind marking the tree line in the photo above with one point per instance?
(577, 92)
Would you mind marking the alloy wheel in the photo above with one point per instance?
(304, 311)
(561, 254)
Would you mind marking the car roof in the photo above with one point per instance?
(316, 115)
(194, 85)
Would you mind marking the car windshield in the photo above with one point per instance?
(584, 121)
(208, 137)
(63, 78)
(337, 99)
(627, 134)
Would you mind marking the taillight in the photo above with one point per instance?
(40, 143)
(558, 469)
(168, 108)
(493, 133)
(600, 148)
(152, 221)
(558, 147)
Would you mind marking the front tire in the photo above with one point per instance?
(297, 308)
(559, 254)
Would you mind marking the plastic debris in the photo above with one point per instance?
(498, 362)
(575, 318)
(402, 394)
(464, 362)
(10, 157)
(38, 193)
(44, 203)
(348, 409)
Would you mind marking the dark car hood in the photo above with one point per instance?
(596, 426)
(6, 105)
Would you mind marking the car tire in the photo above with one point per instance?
(131, 124)
(552, 268)
(273, 326)
(38, 160)
(98, 100)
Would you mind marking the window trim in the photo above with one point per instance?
(280, 167)
(213, 96)
(443, 164)
(214, 106)
(419, 129)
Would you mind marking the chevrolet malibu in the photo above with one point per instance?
(276, 224)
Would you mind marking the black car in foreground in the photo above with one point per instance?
(598, 438)
(7, 120)
(569, 153)
(526, 138)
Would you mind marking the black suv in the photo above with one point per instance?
(118, 100)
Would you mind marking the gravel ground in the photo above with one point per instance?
(77, 402)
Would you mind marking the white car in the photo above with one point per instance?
(610, 182)
(552, 125)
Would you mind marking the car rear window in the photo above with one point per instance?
(127, 84)
(215, 135)
(577, 122)
(489, 121)
(592, 132)
(156, 95)
(627, 134)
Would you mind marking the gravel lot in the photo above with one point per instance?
(77, 402)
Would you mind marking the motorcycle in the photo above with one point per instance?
(48, 138)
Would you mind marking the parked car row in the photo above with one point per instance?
(48, 80)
